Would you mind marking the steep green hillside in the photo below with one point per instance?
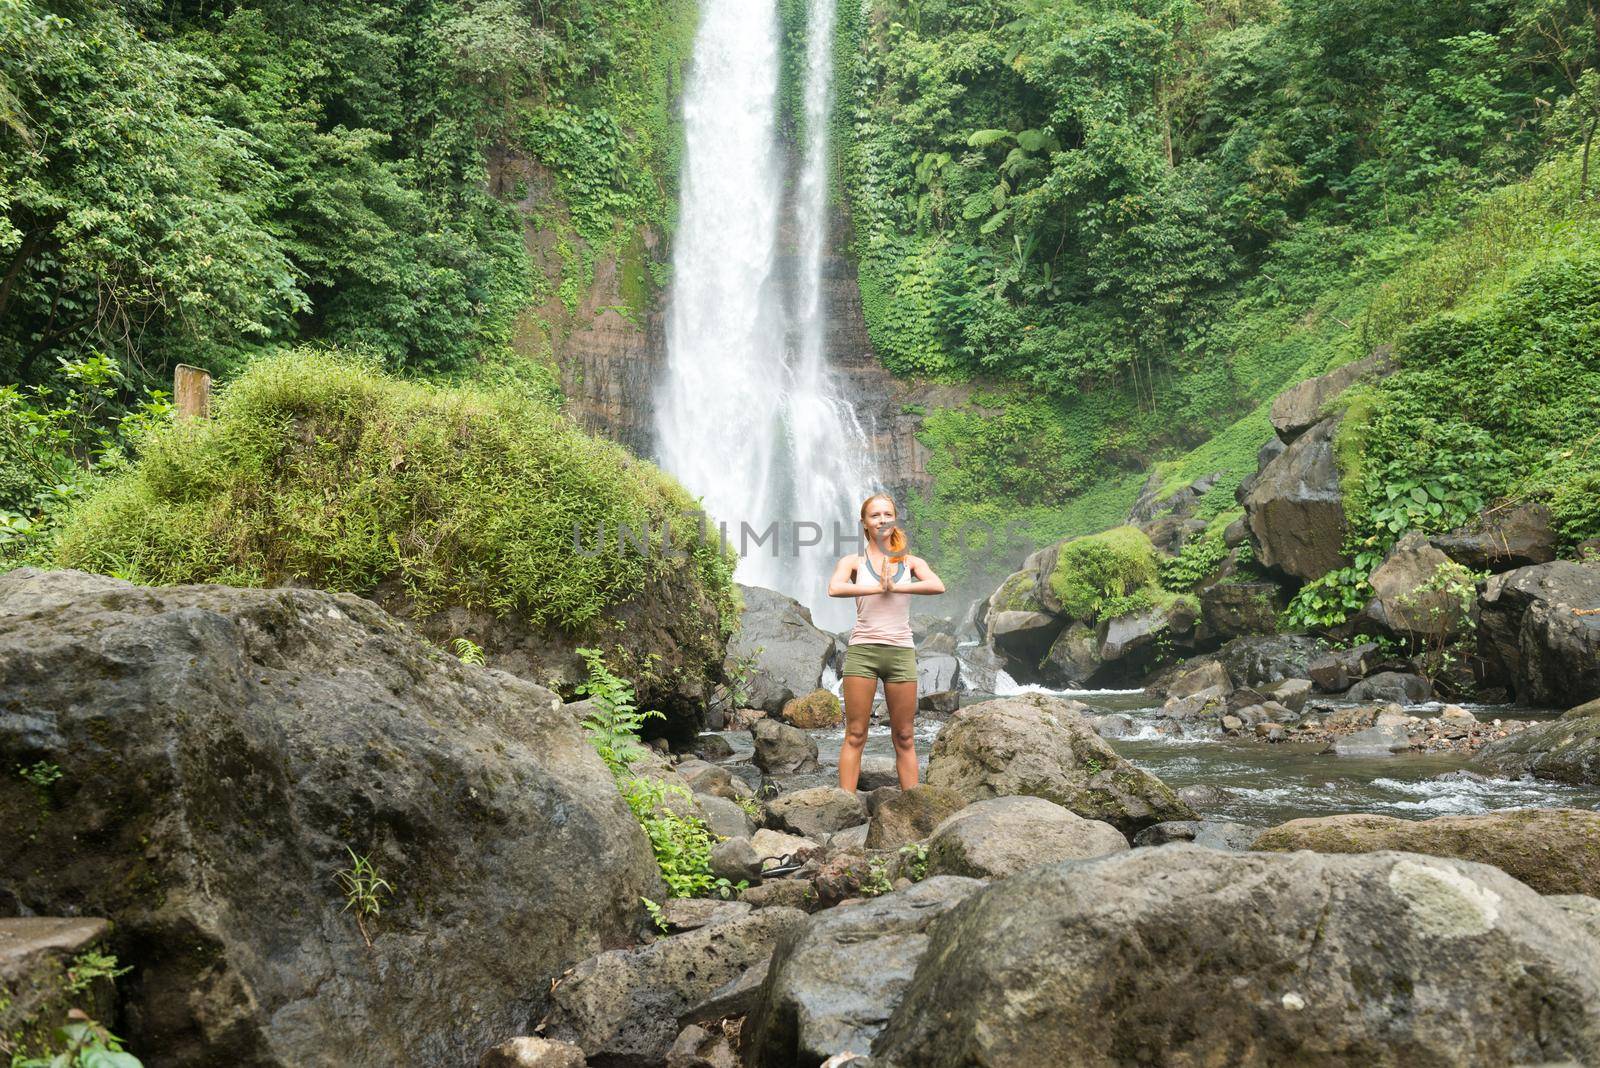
(194, 182)
(1135, 223)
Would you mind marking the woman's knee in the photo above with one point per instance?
(855, 737)
(904, 737)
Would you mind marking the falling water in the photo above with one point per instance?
(750, 417)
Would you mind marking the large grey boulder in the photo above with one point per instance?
(1301, 406)
(777, 648)
(1183, 955)
(1296, 510)
(1408, 599)
(1043, 746)
(220, 749)
(1396, 686)
(817, 811)
(1539, 632)
(783, 750)
(1553, 850)
(834, 981)
(1073, 658)
(622, 1006)
(1565, 750)
(1004, 835)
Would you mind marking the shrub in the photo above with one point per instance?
(1108, 566)
(318, 469)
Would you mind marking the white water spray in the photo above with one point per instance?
(750, 417)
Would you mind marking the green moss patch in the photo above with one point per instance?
(318, 470)
(1108, 566)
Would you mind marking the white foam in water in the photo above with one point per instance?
(1465, 796)
(1006, 686)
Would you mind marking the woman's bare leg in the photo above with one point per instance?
(859, 690)
(902, 699)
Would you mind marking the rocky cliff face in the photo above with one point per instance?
(610, 347)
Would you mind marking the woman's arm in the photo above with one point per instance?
(923, 580)
(839, 585)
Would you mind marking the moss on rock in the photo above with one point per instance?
(1101, 567)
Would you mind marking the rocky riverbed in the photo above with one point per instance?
(1130, 866)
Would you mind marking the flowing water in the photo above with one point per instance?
(1266, 784)
(749, 416)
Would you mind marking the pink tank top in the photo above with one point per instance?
(883, 618)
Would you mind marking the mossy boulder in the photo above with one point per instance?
(1555, 851)
(1039, 745)
(1564, 750)
(222, 752)
(1187, 955)
(817, 709)
(1090, 570)
(486, 515)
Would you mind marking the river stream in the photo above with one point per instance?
(1264, 784)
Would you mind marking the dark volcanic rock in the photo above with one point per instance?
(1258, 661)
(1233, 609)
(786, 653)
(1295, 507)
(1183, 955)
(220, 748)
(623, 1006)
(835, 980)
(1512, 536)
(1299, 407)
(1566, 750)
(1042, 746)
(1532, 636)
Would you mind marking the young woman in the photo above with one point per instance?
(882, 580)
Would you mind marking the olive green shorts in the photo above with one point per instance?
(891, 663)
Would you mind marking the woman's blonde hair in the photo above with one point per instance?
(897, 537)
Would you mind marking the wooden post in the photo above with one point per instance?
(191, 392)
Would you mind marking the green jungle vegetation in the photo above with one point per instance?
(1131, 224)
(217, 183)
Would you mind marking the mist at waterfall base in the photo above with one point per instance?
(749, 416)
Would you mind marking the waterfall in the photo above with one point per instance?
(749, 415)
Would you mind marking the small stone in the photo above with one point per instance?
(793, 893)
(735, 859)
(529, 1052)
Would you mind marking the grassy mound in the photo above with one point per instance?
(318, 470)
(1095, 574)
